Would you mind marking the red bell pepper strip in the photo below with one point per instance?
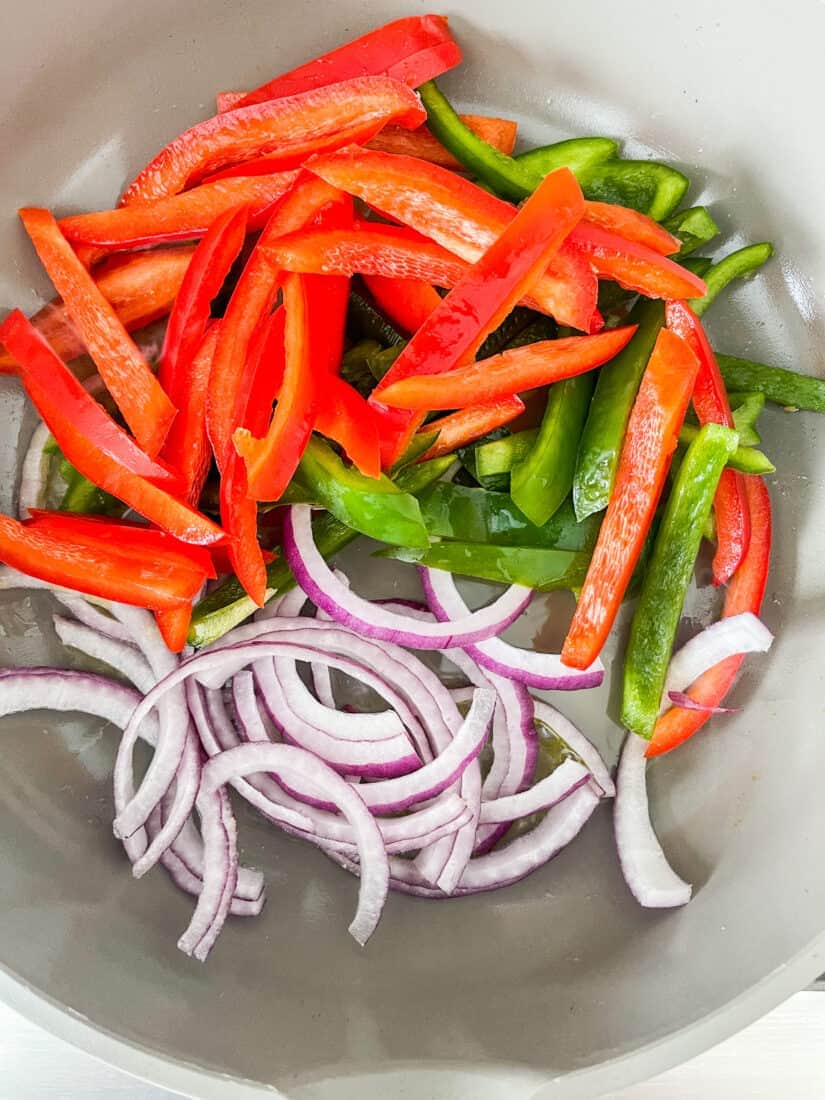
(141, 580)
(455, 330)
(141, 289)
(710, 400)
(182, 217)
(635, 266)
(345, 417)
(511, 371)
(128, 377)
(183, 369)
(288, 129)
(173, 625)
(368, 249)
(124, 538)
(745, 593)
(407, 302)
(454, 212)
(43, 373)
(250, 304)
(187, 447)
(469, 424)
(652, 434)
(91, 440)
(271, 461)
(190, 316)
(499, 132)
(412, 50)
(632, 225)
(261, 381)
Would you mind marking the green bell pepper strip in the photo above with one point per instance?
(737, 265)
(366, 322)
(381, 361)
(747, 460)
(85, 498)
(782, 387)
(543, 479)
(694, 227)
(375, 507)
(619, 380)
(355, 366)
(669, 570)
(468, 514)
(505, 175)
(644, 185)
(747, 408)
(577, 154)
(541, 569)
(604, 430)
(229, 605)
(509, 330)
(699, 265)
(496, 459)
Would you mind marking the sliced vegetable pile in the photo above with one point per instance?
(381, 322)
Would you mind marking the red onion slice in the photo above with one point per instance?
(743, 633)
(680, 699)
(220, 844)
(581, 745)
(321, 585)
(539, 670)
(301, 767)
(568, 777)
(522, 857)
(173, 722)
(649, 876)
(32, 489)
(94, 617)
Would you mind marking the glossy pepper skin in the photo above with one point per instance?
(140, 288)
(782, 387)
(538, 568)
(736, 265)
(287, 130)
(406, 302)
(228, 605)
(467, 514)
(652, 433)
(745, 593)
(542, 480)
(411, 50)
(668, 574)
(59, 398)
(91, 566)
(461, 217)
(272, 460)
(460, 428)
(183, 370)
(375, 507)
(346, 418)
(499, 133)
(606, 424)
(128, 377)
(124, 537)
(710, 401)
(454, 331)
(251, 303)
(514, 370)
(184, 217)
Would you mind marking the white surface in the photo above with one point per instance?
(783, 1054)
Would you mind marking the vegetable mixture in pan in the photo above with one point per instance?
(382, 321)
